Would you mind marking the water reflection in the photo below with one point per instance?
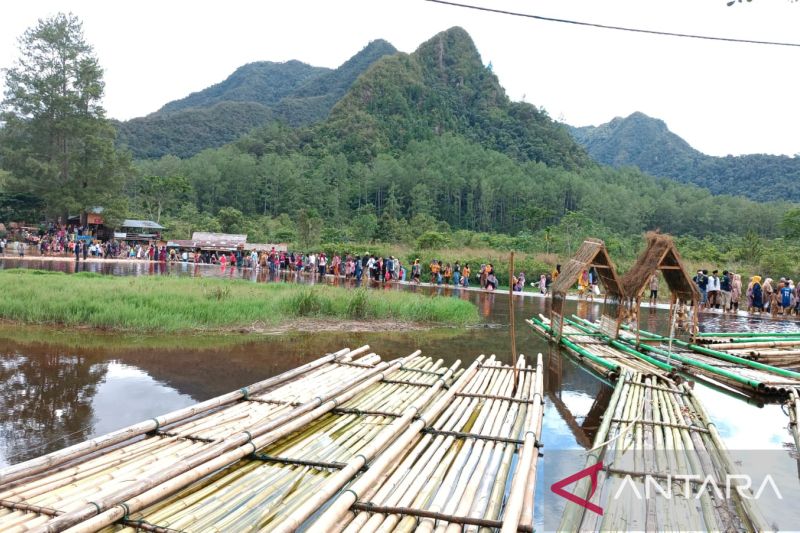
(45, 401)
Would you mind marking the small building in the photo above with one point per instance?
(591, 254)
(218, 241)
(139, 230)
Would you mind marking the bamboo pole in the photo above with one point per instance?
(340, 505)
(186, 464)
(511, 314)
(76, 451)
(177, 483)
(527, 465)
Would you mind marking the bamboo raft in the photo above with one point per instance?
(747, 375)
(652, 431)
(593, 351)
(726, 372)
(410, 439)
(781, 349)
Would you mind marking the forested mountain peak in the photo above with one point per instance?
(344, 76)
(444, 87)
(636, 139)
(292, 92)
(263, 82)
(646, 142)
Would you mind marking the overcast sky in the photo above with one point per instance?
(723, 98)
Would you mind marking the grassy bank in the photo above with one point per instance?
(168, 304)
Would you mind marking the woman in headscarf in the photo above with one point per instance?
(736, 292)
(755, 295)
(767, 293)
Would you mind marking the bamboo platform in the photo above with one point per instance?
(775, 349)
(726, 372)
(652, 431)
(744, 374)
(410, 439)
(591, 350)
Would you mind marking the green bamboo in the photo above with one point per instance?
(725, 334)
(577, 349)
(618, 345)
(709, 368)
(726, 356)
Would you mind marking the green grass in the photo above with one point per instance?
(169, 304)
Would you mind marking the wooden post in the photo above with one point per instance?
(672, 304)
(638, 322)
(511, 318)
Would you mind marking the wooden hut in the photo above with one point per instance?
(661, 255)
(592, 253)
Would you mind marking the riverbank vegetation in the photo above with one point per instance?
(169, 304)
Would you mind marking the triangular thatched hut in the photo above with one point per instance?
(661, 255)
(591, 253)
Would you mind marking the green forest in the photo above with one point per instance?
(645, 142)
(422, 151)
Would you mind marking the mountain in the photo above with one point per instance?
(645, 142)
(428, 143)
(263, 82)
(444, 87)
(256, 93)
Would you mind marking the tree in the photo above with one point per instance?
(790, 225)
(231, 220)
(309, 226)
(160, 192)
(56, 142)
(365, 223)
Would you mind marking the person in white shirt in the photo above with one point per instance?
(713, 289)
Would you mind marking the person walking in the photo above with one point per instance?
(713, 288)
(543, 284)
(725, 286)
(465, 276)
(654, 289)
(736, 292)
(755, 295)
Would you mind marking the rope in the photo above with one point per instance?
(27, 450)
(245, 393)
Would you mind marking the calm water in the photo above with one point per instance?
(61, 387)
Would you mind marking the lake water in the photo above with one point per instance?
(60, 387)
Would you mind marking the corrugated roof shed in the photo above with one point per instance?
(143, 224)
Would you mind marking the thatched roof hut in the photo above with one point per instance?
(591, 253)
(660, 255)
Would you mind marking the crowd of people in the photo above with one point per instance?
(722, 291)
(725, 292)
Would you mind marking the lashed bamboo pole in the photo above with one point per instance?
(341, 505)
(526, 467)
(159, 492)
(403, 486)
(461, 414)
(76, 451)
(234, 442)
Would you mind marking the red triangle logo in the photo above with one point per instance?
(558, 487)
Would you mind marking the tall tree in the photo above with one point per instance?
(57, 142)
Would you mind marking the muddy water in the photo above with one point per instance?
(61, 387)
